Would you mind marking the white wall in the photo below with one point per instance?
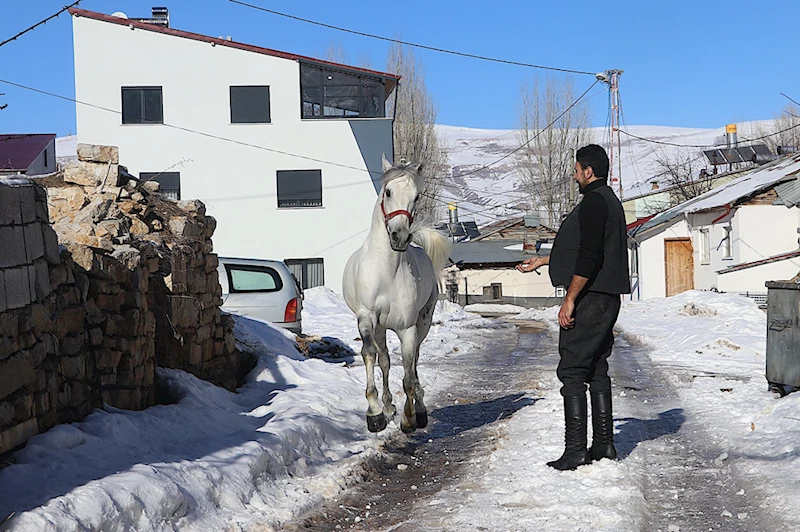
(762, 231)
(652, 266)
(237, 182)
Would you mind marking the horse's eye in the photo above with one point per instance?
(416, 198)
(388, 193)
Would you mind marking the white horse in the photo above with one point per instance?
(390, 284)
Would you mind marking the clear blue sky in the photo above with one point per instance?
(687, 63)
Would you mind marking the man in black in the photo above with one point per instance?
(590, 258)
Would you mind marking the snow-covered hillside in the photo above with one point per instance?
(486, 187)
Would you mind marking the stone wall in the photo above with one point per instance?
(134, 286)
(45, 374)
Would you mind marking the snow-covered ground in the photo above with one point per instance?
(292, 435)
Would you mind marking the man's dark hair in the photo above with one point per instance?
(596, 157)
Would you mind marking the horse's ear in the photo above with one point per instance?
(386, 164)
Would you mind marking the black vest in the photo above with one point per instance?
(613, 276)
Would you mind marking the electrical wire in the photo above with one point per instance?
(23, 32)
(406, 43)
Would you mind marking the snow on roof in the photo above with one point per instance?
(729, 194)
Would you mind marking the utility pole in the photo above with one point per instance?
(611, 78)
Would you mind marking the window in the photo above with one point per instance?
(170, 182)
(308, 272)
(250, 105)
(299, 188)
(705, 247)
(334, 94)
(253, 279)
(142, 105)
(727, 243)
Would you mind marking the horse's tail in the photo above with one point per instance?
(435, 244)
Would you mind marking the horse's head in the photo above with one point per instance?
(399, 196)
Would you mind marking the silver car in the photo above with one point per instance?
(263, 289)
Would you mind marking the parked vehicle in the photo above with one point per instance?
(263, 289)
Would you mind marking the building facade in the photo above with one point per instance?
(284, 150)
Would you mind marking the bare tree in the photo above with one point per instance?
(415, 137)
(683, 173)
(785, 131)
(546, 163)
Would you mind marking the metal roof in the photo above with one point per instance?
(17, 152)
(788, 193)
(745, 186)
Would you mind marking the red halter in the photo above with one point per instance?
(387, 217)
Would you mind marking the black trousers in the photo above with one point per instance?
(585, 348)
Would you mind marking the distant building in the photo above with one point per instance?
(30, 154)
(733, 238)
(284, 150)
(483, 269)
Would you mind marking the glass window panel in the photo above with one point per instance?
(299, 188)
(332, 78)
(310, 75)
(312, 101)
(131, 106)
(372, 101)
(254, 279)
(169, 182)
(153, 113)
(250, 105)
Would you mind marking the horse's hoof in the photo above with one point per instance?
(390, 411)
(376, 423)
(422, 420)
(408, 429)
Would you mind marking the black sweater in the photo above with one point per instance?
(593, 243)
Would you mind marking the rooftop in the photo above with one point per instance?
(17, 152)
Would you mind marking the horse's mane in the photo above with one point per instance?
(400, 170)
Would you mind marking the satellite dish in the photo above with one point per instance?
(119, 14)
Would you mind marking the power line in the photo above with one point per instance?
(654, 141)
(23, 32)
(406, 43)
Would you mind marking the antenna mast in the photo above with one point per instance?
(611, 78)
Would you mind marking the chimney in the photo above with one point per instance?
(161, 14)
(453, 212)
(730, 135)
(654, 185)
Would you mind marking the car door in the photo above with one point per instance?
(255, 291)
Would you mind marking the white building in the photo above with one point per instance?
(284, 150)
(732, 239)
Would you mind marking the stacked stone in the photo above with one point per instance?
(201, 339)
(99, 210)
(44, 375)
(134, 286)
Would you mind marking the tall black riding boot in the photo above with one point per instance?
(575, 453)
(602, 427)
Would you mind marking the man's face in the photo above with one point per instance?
(582, 175)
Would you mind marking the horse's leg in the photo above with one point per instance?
(376, 421)
(384, 362)
(408, 345)
(423, 326)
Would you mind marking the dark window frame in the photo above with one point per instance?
(295, 201)
(237, 114)
(142, 117)
(272, 272)
(303, 264)
(330, 80)
(163, 178)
